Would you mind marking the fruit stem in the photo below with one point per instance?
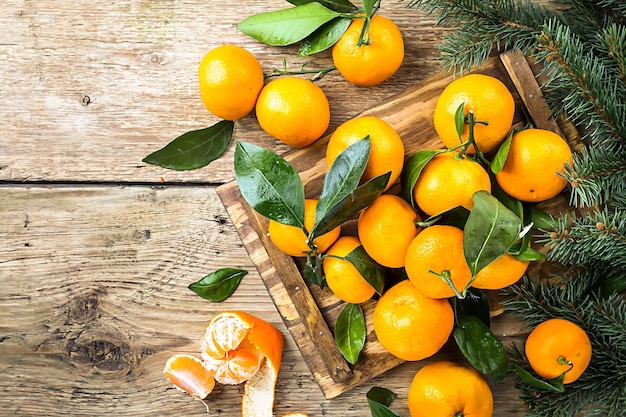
(318, 73)
(445, 277)
(364, 37)
(470, 137)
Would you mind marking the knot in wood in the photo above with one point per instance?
(84, 307)
(103, 355)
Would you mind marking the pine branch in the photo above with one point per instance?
(601, 389)
(483, 25)
(597, 176)
(582, 87)
(599, 236)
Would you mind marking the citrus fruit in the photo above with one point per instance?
(375, 60)
(447, 389)
(556, 346)
(189, 374)
(386, 146)
(342, 277)
(293, 110)
(293, 241)
(502, 272)
(489, 100)
(533, 165)
(410, 325)
(230, 81)
(386, 228)
(447, 181)
(434, 255)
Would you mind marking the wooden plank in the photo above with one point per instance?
(92, 87)
(410, 113)
(93, 289)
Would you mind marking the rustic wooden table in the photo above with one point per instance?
(98, 248)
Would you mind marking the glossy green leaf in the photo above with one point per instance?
(491, 229)
(610, 285)
(269, 184)
(459, 119)
(347, 208)
(474, 304)
(555, 385)
(218, 285)
(343, 6)
(481, 347)
(527, 253)
(194, 149)
(373, 273)
(412, 169)
(539, 218)
(342, 178)
(368, 6)
(350, 332)
(497, 163)
(379, 399)
(512, 203)
(287, 26)
(324, 37)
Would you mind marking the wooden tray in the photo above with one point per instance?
(309, 312)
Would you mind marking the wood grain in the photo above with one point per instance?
(115, 81)
(94, 300)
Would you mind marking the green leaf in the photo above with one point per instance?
(342, 6)
(610, 285)
(527, 253)
(499, 159)
(513, 204)
(474, 304)
(287, 26)
(552, 386)
(540, 219)
(459, 119)
(218, 285)
(371, 271)
(324, 37)
(342, 178)
(269, 184)
(194, 149)
(350, 332)
(347, 208)
(368, 6)
(379, 400)
(412, 170)
(491, 229)
(481, 347)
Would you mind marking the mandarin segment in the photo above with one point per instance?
(190, 375)
(410, 325)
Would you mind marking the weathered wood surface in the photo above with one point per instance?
(96, 252)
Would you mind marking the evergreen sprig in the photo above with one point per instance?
(598, 236)
(581, 45)
(601, 390)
